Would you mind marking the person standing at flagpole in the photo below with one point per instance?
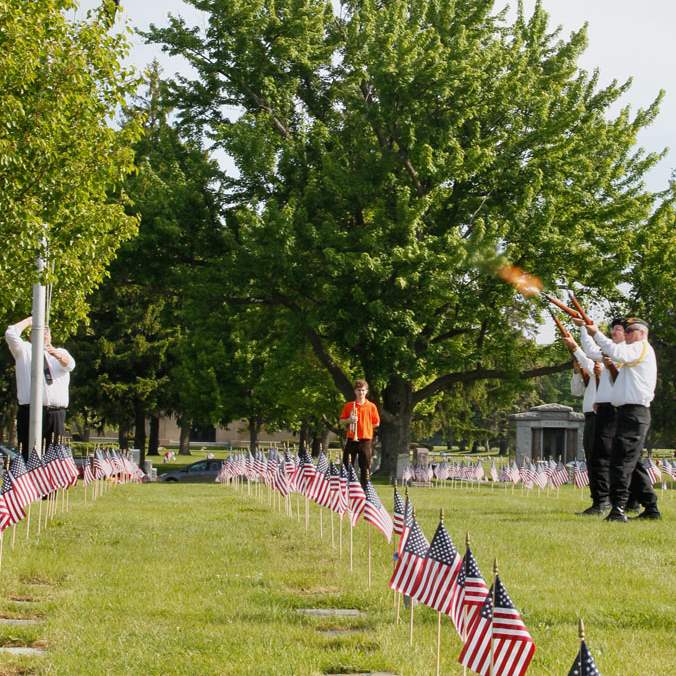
(632, 394)
(58, 365)
(362, 420)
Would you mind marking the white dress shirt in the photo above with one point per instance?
(636, 381)
(604, 390)
(55, 394)
(590, 391)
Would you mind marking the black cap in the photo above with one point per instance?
(635, 320)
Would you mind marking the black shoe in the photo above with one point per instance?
(649, 514)
(632, 506)
(595, 510)
(617, 514)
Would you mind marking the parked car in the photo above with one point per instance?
(203, 471)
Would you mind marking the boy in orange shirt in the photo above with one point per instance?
(360, 416)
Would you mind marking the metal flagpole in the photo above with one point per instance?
(37, 354)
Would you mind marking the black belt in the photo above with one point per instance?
(55, 408)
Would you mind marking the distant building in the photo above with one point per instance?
(549, 431)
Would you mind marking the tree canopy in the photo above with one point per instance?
(61, 157)
(389, 158)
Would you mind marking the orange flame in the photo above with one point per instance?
(525, 283)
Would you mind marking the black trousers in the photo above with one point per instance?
(53, 426)
(604, 436)
(626, 472)
(362, 449)
(588, 445)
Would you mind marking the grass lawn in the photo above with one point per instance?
(203, 579)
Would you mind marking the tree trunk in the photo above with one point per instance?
(303, 437)
(140, 432)
(123, 436)
(254, 429)
(154, 438)
(184, 440)
(503, 446)
(395, 425)
(12, 410)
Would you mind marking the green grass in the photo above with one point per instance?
(203, 579)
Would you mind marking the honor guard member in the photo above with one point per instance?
(589, 373)
(57, 367)
(632, 393)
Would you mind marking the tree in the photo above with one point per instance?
(61, 83)
(136, 324)
(389, 158)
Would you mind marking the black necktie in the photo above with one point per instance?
(48, 374)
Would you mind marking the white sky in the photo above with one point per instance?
(626, 39)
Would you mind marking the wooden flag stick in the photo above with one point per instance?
(321, 523)
(39, 517)
(495, 585)
(369, 557)
(307, 514)
(340, 537)
(298, 506)
(2, 542)
(410, 627)
(398, 619)
(333, 539)
(67, 501)
(13, 535)
(28, 521)
(580, 631)
(438, 643)
(351, 537)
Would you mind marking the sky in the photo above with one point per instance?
(626, 39)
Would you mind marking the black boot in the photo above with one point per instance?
(617, 514)
(597, 509)
(650, 513)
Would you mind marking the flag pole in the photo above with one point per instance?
(369, 556)
(464, 609)
(351, 544)
(441, 520)
(495, 591)
(321, 523)
(333, 538)
(580, 631)
(340, 537)
(39, 516)
(28, 522)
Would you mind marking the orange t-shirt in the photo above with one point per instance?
(367, 418)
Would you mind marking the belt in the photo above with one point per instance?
(55, 408)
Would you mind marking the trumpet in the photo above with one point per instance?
(355, 424)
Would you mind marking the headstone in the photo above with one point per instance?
(403, 461)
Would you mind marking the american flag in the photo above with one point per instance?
(14, 501)
(338, 502)
(584, 664)
(498, 642)
(580, 475)
(668, 468)
(320, 491)
(99, 471)
(23, 481)
(5, 515)
(439, 572)
(398, 513)
(467, 595)
(69, 464)
(306, 473)
(355, 496)
(494, 472)
(41, 477)
(53, 465)
(375, 513)
(410, 561)
(541, 477)
(559, 476)
(87, 475)
(653, 471)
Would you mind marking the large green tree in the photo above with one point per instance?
(389, 157)
(61, 84)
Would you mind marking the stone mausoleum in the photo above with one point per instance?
(549, 431)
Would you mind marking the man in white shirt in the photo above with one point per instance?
(58, 365)
(632, 393)
(604, 419)
(590, 374)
